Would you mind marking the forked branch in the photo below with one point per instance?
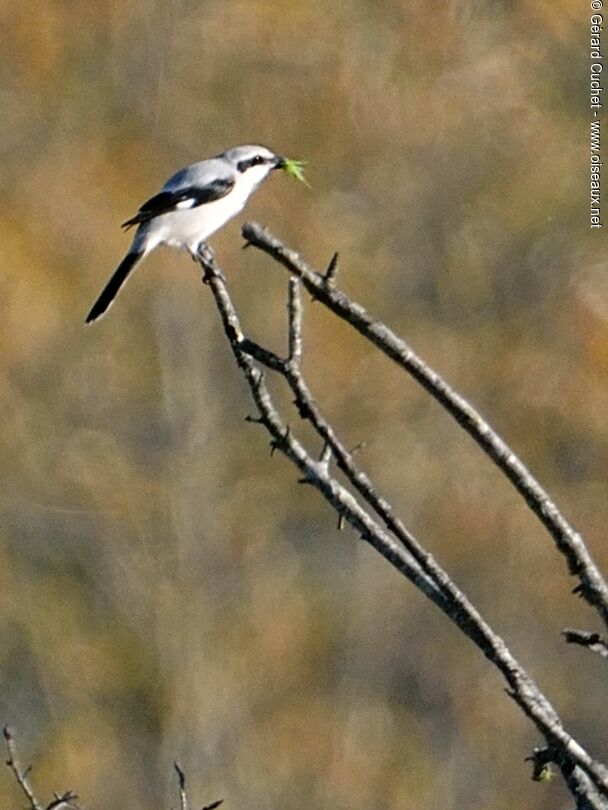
(65, 801)
(586, 777)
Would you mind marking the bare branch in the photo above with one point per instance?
(183, 797)
(21, 775)
(181, 779)
(581, 787)
(592, 587)
(284, 440)
(58, 802)
(410, 559)
(294, 308)
(66, 800)
(213, 805)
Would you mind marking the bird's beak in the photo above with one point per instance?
(279, 162)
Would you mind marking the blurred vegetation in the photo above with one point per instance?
(166, 590)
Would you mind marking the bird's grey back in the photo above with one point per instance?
(222, 166)
(200, 174)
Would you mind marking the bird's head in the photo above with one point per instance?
(256, 162)
(253, 162)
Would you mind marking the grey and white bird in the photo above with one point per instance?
(191, 206)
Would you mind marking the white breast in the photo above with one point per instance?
(187, 228)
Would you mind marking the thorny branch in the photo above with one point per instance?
(183, 797)
(181, 780)
(65, 801)
(592, 587)
(586, 777)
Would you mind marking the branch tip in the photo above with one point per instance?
(66, 799)
(329, 276)
(326, 455)
(213, 805)
(181, 778)
(21, 775)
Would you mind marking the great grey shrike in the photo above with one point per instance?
(192, 205)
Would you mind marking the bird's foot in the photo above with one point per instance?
(205, 253)
(206, 257)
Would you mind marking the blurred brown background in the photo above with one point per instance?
(167, 590)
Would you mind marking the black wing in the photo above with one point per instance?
(183, 199)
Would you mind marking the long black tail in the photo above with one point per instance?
(108, 294)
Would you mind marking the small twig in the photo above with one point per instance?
(325, 457)
(20, 775)
(282, 439)
(63, 801)
(592, 641)
(183, 798)
(181, 778)
(58, 801)
(332, 270)
(213, 805)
